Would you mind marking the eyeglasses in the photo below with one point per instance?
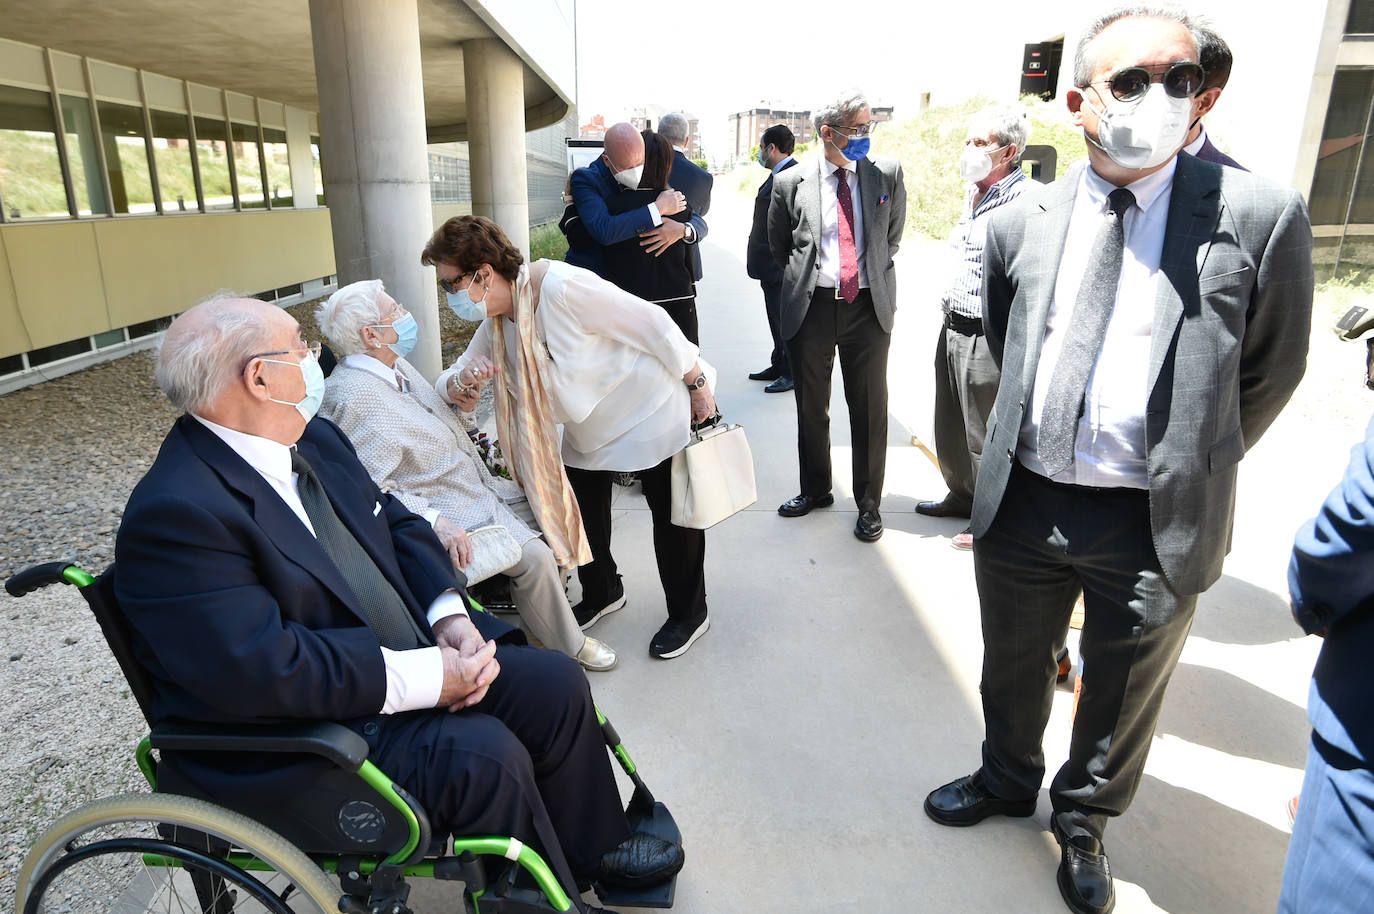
(310, 349)
(1181, 80)
(393, 317)
(860, 130)
(449, 285)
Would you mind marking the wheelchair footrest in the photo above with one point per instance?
(657, 821)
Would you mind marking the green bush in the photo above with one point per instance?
(547, 242)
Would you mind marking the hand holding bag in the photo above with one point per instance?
(712, 477)
(494, 550)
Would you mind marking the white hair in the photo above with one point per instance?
(202, 353)
(674, 128)
(344, 314)
(841, 111)
(1008, 125)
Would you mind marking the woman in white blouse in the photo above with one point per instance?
(570, 349)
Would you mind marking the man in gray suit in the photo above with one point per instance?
(1151, 315)
(833, 226)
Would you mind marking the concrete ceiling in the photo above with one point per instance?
(259, 47)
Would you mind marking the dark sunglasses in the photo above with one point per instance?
(1181, 80)
(449, 286)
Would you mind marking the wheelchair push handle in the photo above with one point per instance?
(36, 577)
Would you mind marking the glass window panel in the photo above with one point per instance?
(176, 182)
(278, 166)
(1361, 18)
(1347, 116)
(318, 164)
(213, 152)
(83, 156)
(30, 167)
(126, 157)
(248, 165)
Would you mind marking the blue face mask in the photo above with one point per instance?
(462, 304)
(314, 387)
(761, 161)
(856, 149)
(407, 332)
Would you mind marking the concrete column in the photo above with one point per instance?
(376, 167)
(495, 83)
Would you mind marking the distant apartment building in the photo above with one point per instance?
(747, 127)
(595, 129)
(647, 118)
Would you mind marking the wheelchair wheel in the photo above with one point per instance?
(165, 853)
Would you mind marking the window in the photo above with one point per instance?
(176, 182)
(212, 149)
(30, 168)
(278, 166)
(318, 164)
(126, 157)
(1342, 198)
(248, 165)
(83, 156)
(1361, 18)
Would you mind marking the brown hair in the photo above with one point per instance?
(467, 242)
(658, 161)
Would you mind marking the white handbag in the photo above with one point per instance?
(713, 477)
(494, 550)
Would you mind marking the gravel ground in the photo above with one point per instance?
(73, 450)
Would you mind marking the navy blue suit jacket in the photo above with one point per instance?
(238, 614)
(591, 187)
(695, 183)
(1331, 580)
(758, 258)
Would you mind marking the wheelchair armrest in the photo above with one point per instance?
(333, 742)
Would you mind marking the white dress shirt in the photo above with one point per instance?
(1196, 145)
(829, 261)
(1109, 449)
(414, 678)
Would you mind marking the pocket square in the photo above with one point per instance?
(376, 509)
(882, 199)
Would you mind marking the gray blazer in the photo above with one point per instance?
(1228, 345)
(794, 234)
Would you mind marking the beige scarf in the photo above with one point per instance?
(529, 435)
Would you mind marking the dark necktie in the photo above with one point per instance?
(383, 607)
(1087, 326)
(849, 257)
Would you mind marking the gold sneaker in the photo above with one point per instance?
(597, 656)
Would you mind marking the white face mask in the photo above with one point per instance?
(1143, 133)
(975, 162)
(629, 177)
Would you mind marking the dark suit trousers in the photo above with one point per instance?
(1046, 543)
(683, 311)
(679, 551)
(772, 304)
(528, 761)
(834, 324)
(966, 378)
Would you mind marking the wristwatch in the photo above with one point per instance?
(698, 384)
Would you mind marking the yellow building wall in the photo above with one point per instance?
(65, 280)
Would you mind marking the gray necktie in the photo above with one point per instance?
(383, 607)
(1087, 327)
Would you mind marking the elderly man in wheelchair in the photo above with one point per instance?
(291, 633)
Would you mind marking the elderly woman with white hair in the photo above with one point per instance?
(414, 447)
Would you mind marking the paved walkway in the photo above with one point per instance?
(839, 681)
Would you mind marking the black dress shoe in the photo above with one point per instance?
(869, 526)
(968, 801)
(641, 860)
(802, 504)
(770, 373)
(1084, 877)
(944, 508)
(780, 386)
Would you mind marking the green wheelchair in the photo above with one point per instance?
(347, 842)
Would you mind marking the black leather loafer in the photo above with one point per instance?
(770, 373)
(641, 860)
(968, 801)
(780, 386)
(869, 526)
(1084, 877)
(941, 509)
(802, 504)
